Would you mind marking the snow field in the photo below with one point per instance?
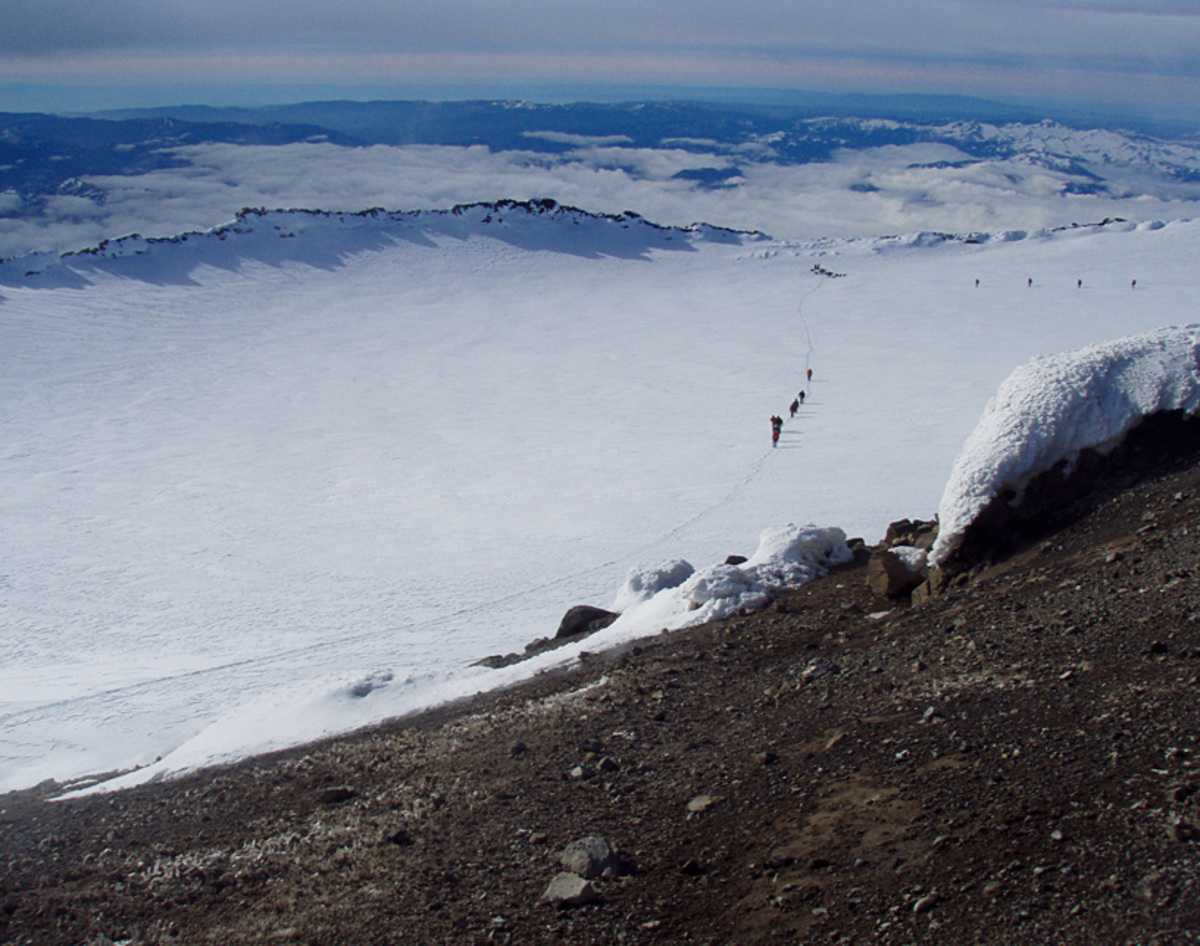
(234, 490)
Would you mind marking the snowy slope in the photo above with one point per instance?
(242, 471)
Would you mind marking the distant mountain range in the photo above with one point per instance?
(40, 154)
(46, 161)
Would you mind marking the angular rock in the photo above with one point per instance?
(860, 550)
(893, 574)
(569, 890)
(736, 559)
(920, 533)
(589, 857)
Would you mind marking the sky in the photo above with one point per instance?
(1118, 54)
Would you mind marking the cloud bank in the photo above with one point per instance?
(875, 191)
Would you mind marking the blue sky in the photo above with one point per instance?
(1128, 56)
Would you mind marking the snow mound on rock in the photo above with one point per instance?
(912, 558)
(787, 557)
(1056, 406)
(645, 581)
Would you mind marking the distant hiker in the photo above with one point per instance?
(1078, 283)
(800, 396)
(976, 283)
(1029, 282)
(795, 406)
(776, 427)
(1133, 285)
(808, 373)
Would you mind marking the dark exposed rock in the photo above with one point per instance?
(736, 559)
(859, 549)
(496, 661)
(584, 619)
(916, 532)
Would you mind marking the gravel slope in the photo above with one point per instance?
(1015, 762)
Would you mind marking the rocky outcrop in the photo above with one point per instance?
(1019, 516)
(920, 533)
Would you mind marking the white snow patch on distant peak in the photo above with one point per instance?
(1058, 405)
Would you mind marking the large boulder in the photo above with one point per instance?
(584, 619)
(895, 572)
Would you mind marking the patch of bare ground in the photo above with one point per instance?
(1014, 762)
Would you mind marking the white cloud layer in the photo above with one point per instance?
(872, 192)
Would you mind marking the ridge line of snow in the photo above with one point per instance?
(246, 216)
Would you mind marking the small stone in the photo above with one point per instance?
(925, 903)
(399, 837)
(992, 888)
(1158, 648)
(1183, 831)
(518, 748)
(580, 773)
(693, 868)
(569, 890)
(608, 764)
(766, 758)
(701, 803)
(1056, 835)
(1181, 793)
(820, 667)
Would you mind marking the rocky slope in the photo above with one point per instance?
(1013, 761)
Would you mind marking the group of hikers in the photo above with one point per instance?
(1078, 283)
(777, 421)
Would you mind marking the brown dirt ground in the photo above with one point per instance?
(1015, 762)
